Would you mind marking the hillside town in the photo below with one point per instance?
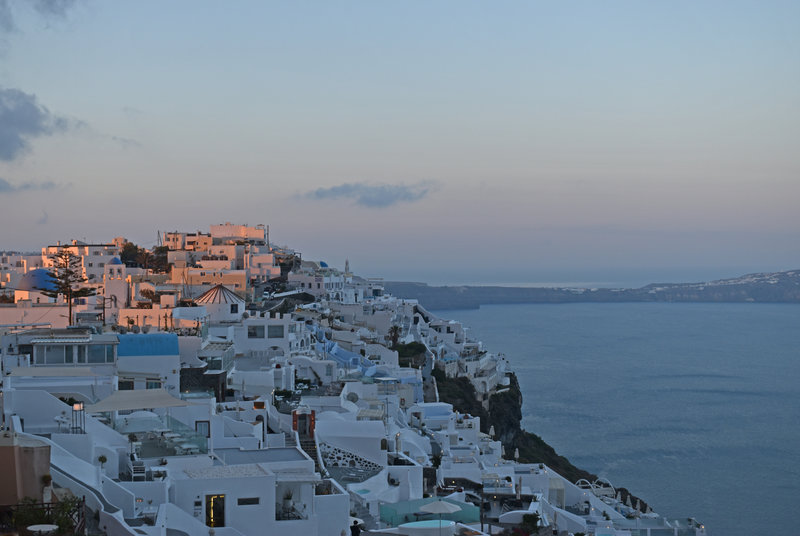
(221, 384)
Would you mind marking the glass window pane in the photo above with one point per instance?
(97, 353)
(54, 355)
(38, 355)
(255, 332)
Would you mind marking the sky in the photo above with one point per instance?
(448, 142)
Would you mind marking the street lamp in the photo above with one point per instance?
(78, 418)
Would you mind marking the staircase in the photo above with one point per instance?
(309, 446)
(362, 512)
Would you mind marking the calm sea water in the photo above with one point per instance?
(694, 407)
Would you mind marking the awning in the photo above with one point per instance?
(135, 400)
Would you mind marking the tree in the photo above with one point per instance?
(160, 259)
(144, 258)
(128, 254)
(394, 334)
(67, 276)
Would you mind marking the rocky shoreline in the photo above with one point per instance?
(505, 415)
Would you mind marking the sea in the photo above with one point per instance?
(694, 407)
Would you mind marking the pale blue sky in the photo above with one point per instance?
(444, 141)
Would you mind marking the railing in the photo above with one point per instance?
(69, 515)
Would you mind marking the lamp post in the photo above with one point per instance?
(78, 418)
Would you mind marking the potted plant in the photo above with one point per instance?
(102, 459)
(287, 498)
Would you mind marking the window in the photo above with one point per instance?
(101, 353)
(203, 428)
(152, 384)
(255, 332)
(275, 332)
(125, 384)
(81, 354)
(57, 354)
(247, 501)
(234, 308)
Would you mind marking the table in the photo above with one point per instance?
(43, 529)
(187, 448)
(62, 421)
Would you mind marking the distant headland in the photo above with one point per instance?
(773, 287)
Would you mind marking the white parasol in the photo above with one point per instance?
(439, 507)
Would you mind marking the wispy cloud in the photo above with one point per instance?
(53, 8)
(125, 143)
(10, 188)
(22, 119)
(6, 17)
(47, 9)
(43, 220)
(132, 111)
(374, 195)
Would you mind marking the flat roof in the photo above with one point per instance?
(136, 400)
(235, 456)
(227, 471)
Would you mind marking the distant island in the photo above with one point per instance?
(774, 287)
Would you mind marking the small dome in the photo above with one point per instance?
(115, 260)
(36, 280)
(323, 264)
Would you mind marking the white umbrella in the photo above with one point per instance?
(439, 507)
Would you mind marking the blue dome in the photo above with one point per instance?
(36, 280)
(323, 264)
(115, 260)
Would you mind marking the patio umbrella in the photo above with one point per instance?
(440, 507)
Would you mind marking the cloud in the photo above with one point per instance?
(9, 188)
(43, 220)
(22, 118)
(125, 143)
(48, 9)
(53, 8)
(6, 17)
(374, 196)
(131, 111)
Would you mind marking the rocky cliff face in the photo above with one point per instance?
(505, 414)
